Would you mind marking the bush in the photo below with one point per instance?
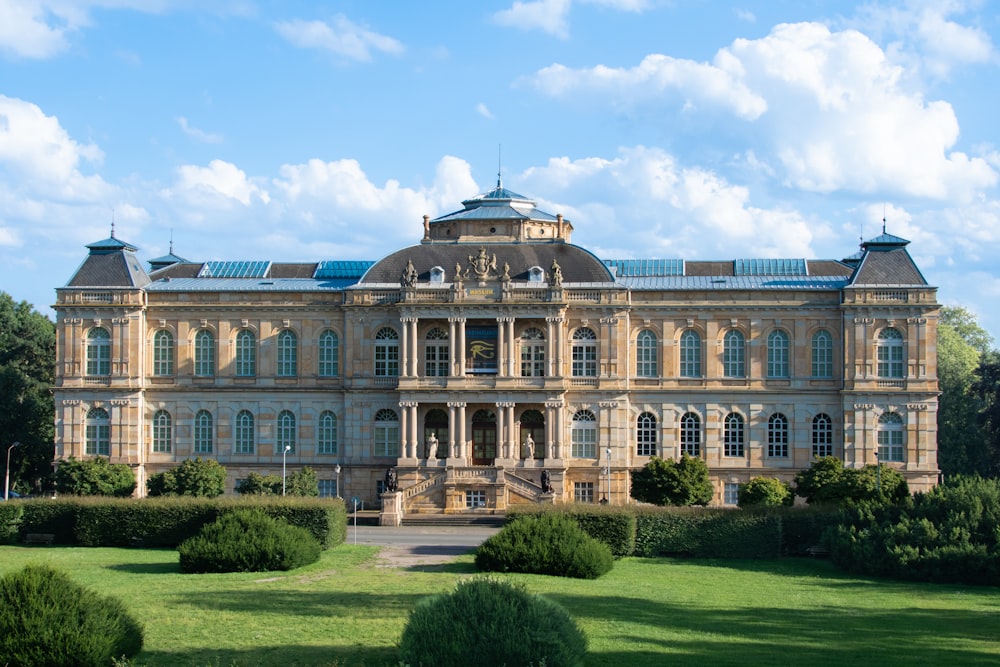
(615, 526)
(194, 477)
(666, 482)
(47, 619)
(248, 541)
(827, 481)
(491, 623)
(94, 477)
(546, 544)
(765, 492)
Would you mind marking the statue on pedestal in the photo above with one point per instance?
(432, 446)
(390, 480)
(546, 482)
(528, 448)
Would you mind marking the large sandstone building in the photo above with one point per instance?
(496, 363)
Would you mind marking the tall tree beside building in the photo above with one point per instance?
(27, 368)
(963, 445)
(987, 391)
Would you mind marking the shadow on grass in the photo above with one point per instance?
(147, 568)
(326, 604)
(454, 567)
(283, 656)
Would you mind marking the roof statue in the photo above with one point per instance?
(481, 265)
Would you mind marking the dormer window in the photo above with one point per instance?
(536, 275)
(437, 275)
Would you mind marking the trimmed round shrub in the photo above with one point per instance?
(545, 544)
(248, 540)
(46, 619)
(765, 492)
(491, 623)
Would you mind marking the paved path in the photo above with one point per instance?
(417, 545)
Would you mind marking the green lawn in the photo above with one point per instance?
(346, 611)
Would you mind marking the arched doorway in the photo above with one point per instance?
(484, 438)
(533, 424)
(436, 428)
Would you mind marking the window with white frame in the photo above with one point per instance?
(645, 434)
(288, 353)
(246, 354)
(584, 353)
(733, 435)
(329, 354)
(204, 353)
(777, 354)
(733, 354)
(890, 353)
(691, 434)
(777, 436)
(731, 493)
(583, 492)
(163, 353)
(475, 498)
(204, 432)
(386, 433)
(583, 435)
(532, 353)
(286, 431)
(690, 349)
(328, 488)
(891, 437)
(98, 351)
(162, 431)
(822, 354)
(386, 353)
(326, 433)
(646, 354)
(822, 436)
(98, 433)
(244, 433)
(436, 353)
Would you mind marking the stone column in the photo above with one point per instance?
(404, 348)
(511, 359)
(502, 431)
(453, 352)
(452, 426)
(461, 346)
(462, 448)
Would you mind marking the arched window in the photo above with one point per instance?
(244, 433)
(822, 354)
(733, 351)
(204, 353)
(288, 353)
(326, 434)
(532, 353)
(890, 353)
(583, 435)
(286, 431)
(204, 432)
(645, 354)
(733, 435)
(436, 353)
(386, 433)
(246, 354)
(777, 436)
(691, 434)
(329, 354)
(584, 353)
(386, 353)
(777, 354)
(163, 431)
(163, 353)
(645, 434)
(891, 437)
(690, 354)
(822, 436)
(98, 352)
(98, 433)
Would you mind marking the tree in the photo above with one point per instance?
(302, 483)
(666, 482)
(27, 372)
(962, 345)
(765, 492)
(259, 485)
(987, 390)
(94, 477)
(194, 477)
(827, 481)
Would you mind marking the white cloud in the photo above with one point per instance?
(195, 133)
(30, 30)
(484, 111)
(341, 36)
(549, 16)
(216, 185)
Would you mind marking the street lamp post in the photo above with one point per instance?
(284, 455)
(6, 475)
(607, 471)
(337, 470)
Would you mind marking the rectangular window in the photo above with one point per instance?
(732, 493)
(436, 361)
(327, 488)
(98, 440)
(474, 499)
(584, 443)
(386, 360)
(583, 492)
(386, 439)
(584, 360)
(890, 445)
(532, 360)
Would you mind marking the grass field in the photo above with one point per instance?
(346, 610)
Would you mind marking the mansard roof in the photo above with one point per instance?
(111, 263)
(885, 261)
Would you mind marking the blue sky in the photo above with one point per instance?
(693, 129)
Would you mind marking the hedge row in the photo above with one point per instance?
(697, 532)
(158, 522)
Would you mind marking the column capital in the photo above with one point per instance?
(409, 404)
(409, 319)
(457, 404)
(554, 404)
(555, 319)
